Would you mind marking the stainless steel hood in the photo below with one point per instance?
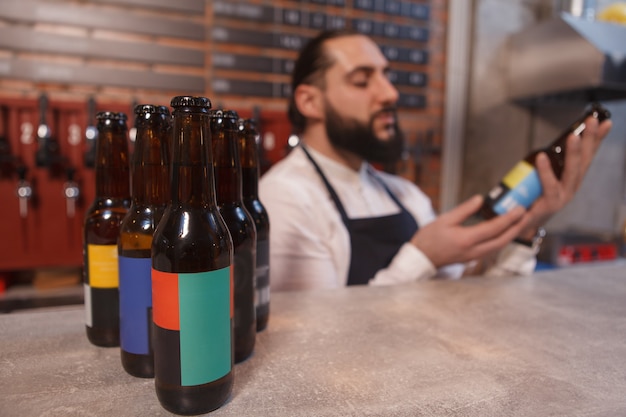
(568, 58)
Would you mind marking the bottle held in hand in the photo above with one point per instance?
(521, 185)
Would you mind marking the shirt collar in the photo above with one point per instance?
(338, 171)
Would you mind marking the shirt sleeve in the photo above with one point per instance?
(514, 259)
(409, 264)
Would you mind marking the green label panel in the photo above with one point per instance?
(205, 326)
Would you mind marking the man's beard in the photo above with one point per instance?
(359, 138)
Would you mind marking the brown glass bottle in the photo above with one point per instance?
(521, 185)
(192, 255)
(249, 156)
(150, 194)
(101, 230)
(227, 169)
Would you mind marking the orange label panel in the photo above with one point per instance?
(165, 308)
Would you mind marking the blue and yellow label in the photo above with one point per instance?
(524, 188)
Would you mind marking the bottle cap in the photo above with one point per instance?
(216, 114)
(231, 114)
(110, 115)
(190, 101)
(163, 110)
(145, 108)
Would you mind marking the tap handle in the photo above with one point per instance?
(42, 156)
(70, 172)
(24, 191)
(71, 192)
(21, 172)
(91, 134)
(43, 131)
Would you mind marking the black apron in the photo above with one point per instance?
(374, 241)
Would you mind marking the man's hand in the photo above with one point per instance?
(446, 240)
(556, 194)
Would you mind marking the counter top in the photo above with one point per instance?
(550, 344)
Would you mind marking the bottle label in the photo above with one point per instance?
(102, 266)
(135, 304)
(524, 187)
(262, 273)
(88, 313)
(192, 313)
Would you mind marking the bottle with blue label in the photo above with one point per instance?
(521, 186)
(192, 282)
(150, 192)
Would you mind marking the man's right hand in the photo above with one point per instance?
(446, 240)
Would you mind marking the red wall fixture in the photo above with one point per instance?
(45, 186)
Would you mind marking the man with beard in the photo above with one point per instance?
(337, 221)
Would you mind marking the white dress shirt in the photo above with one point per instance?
(310, 245)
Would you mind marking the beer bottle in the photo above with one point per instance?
(192, 254)
(227, 170)
(521, 185)
(250, 168)
(150, 193)
(102, 227)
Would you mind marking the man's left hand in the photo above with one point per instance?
(580, 151)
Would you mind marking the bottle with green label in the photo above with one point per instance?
(150, 194)
(192, 256)
(521, 185)
(101, 230)
(227, 168)
(250, 168)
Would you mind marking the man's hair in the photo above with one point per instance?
(309, 68)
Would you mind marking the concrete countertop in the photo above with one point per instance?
(552, 344)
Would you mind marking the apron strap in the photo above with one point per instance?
(373, 174)
(335, 197)
(331, 190)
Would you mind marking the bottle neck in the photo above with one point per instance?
(249, 167)
(191, 172)
(250, 183)
(112, 167)
(150, 167)
(557, 149)
(227, 167)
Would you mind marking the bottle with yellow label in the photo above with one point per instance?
(101, 230)
(521, 185)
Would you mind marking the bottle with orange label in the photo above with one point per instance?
(101, 230)
(192, 283)
(521, 185)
